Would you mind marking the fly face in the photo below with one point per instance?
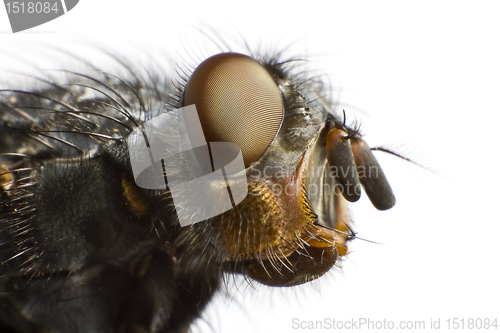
(83, 248)
(294, 224)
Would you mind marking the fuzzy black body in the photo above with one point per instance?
(82, 248)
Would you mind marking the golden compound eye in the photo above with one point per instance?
(237, 101)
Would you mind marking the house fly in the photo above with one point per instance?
(84, 248)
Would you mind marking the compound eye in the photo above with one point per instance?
(237, 101)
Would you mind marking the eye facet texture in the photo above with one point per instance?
(237, 101)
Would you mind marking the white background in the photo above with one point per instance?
(424, 79)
